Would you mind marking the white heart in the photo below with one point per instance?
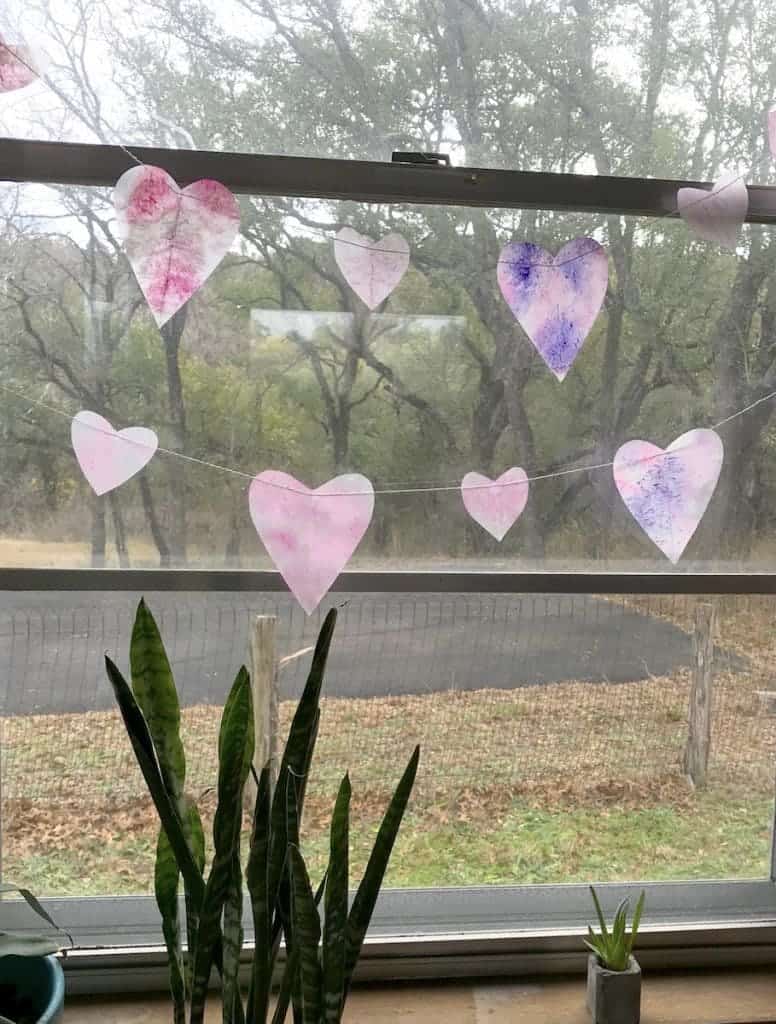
(716, 216)
(372, 269)
(108, 457)
(495, 504)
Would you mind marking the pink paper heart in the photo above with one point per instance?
(108, 457)
(667, 491)
(20, 64)
(174, 238)
(555, 299)
(310, 534)
(372, 269)
(716, 216)
(495, 505)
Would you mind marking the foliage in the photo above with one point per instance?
(16, 943)
(613, 947)
(322, 951)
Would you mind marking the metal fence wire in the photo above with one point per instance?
(507, 691)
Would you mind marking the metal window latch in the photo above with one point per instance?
(421, 159)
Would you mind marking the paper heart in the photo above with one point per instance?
(20, 64)
(310, 534)
(372, 269)
(716, 215)
(174, 238)
(108, 457)
(668, 490)
(555, 299)
(495, 504)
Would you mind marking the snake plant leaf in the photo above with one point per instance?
(297, 755)
(335, 915)
(235, 750)
(166, 877)
(154, 690)
(261, 911)
(367, 892)
(166, 808)
(290, 972)
(24, 944)
(34, 904)
(307, 936)
(233, 940)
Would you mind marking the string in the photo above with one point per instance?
(439, 488)
(676, 212)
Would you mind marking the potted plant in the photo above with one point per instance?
(613, 974)
(32, 985)
(321, 948)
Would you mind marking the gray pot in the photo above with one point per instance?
(613, 997)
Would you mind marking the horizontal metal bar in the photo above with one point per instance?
(65, 163)
(390, 582)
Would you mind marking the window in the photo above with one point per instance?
(548, 677)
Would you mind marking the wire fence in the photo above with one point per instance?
(502, 692)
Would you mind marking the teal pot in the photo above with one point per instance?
(32, 988)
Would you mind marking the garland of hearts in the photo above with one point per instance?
(175, 238)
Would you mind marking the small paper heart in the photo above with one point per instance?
(372, 269)
(495, 504)
(108, 457)
(20, 64)
(668, 490)
(310, 534)
(716, 215)
(555, 299)
(174, 238)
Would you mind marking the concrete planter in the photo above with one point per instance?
(613, 997)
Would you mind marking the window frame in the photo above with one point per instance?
(425, 933)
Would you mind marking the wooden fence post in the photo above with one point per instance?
(265, 698)
(696, 753)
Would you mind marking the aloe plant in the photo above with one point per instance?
(613, 947)
(322, 949)
(14, 943)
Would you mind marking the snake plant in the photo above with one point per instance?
(322, 944)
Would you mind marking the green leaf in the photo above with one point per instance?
(336, 908)
(290, 971)
(256, 878)
(233, 940)
(601, 920)
(166, 877)
(166, 808)
(24, 944)
(32, 902)
(154, 690)
(307, 936)
(367, 893)
(636, 921)
(235, 749)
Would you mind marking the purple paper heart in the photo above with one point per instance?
(555, 299)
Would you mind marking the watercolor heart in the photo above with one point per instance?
(495, 504)
(772, 131)
(174, 238)
(716, 215)
(108, 457)
(668, 490)
(20, 65)
(371, 269)
(555, 299)
(310, 534)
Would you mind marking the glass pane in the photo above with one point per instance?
(600, 86)
(553, 732)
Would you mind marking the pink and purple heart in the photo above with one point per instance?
(555, 299)
(495, 504)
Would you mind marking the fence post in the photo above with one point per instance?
(696, 753)
(265, 698)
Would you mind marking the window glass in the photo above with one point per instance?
(594, 86)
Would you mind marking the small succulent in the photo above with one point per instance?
(613, 948)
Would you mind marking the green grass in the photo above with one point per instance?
(715, 834)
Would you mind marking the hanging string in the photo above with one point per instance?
(437, 488)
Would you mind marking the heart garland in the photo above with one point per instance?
(174, 238)
(372, 269)
(108, 457)
(495, 504)
(555, 299)
(716, 216)
(20, 64)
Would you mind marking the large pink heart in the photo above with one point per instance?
(668, 491)
(495, 504)
(555, 299)
(108, 457)
(310, 534)
(372, 269)
(716, 216)
(174, 238)
(20, 65)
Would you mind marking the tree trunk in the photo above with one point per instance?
(119, 532)
(153, 522)
(172, 333)
(98, 532)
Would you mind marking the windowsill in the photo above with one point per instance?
(697, 997)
